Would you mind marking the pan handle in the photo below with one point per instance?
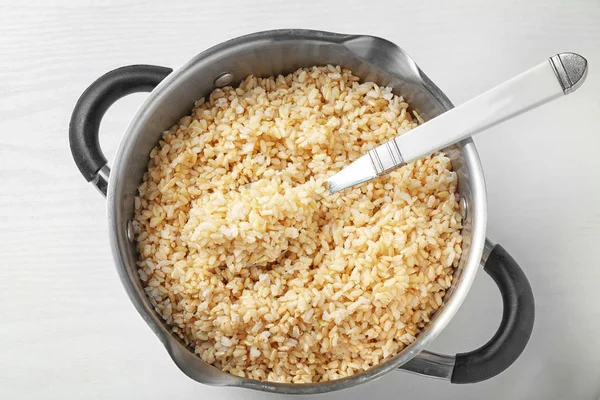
(510, 339)
(90, 108)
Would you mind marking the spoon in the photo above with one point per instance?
(559, 75)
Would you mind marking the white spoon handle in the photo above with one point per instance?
(557, 76)
(509, 99)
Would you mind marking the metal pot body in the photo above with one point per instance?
(280, 52)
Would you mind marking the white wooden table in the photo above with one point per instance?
(67, 329)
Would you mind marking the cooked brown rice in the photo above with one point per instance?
(281, 280)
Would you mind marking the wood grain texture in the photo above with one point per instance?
(67, 329)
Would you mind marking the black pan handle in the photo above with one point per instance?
(510, 339)
(516, 326)
(90, 108)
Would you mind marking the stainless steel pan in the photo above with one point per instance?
(172, 94)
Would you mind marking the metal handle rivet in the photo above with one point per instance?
(130, 232)
(223, 80)
(463, 207)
